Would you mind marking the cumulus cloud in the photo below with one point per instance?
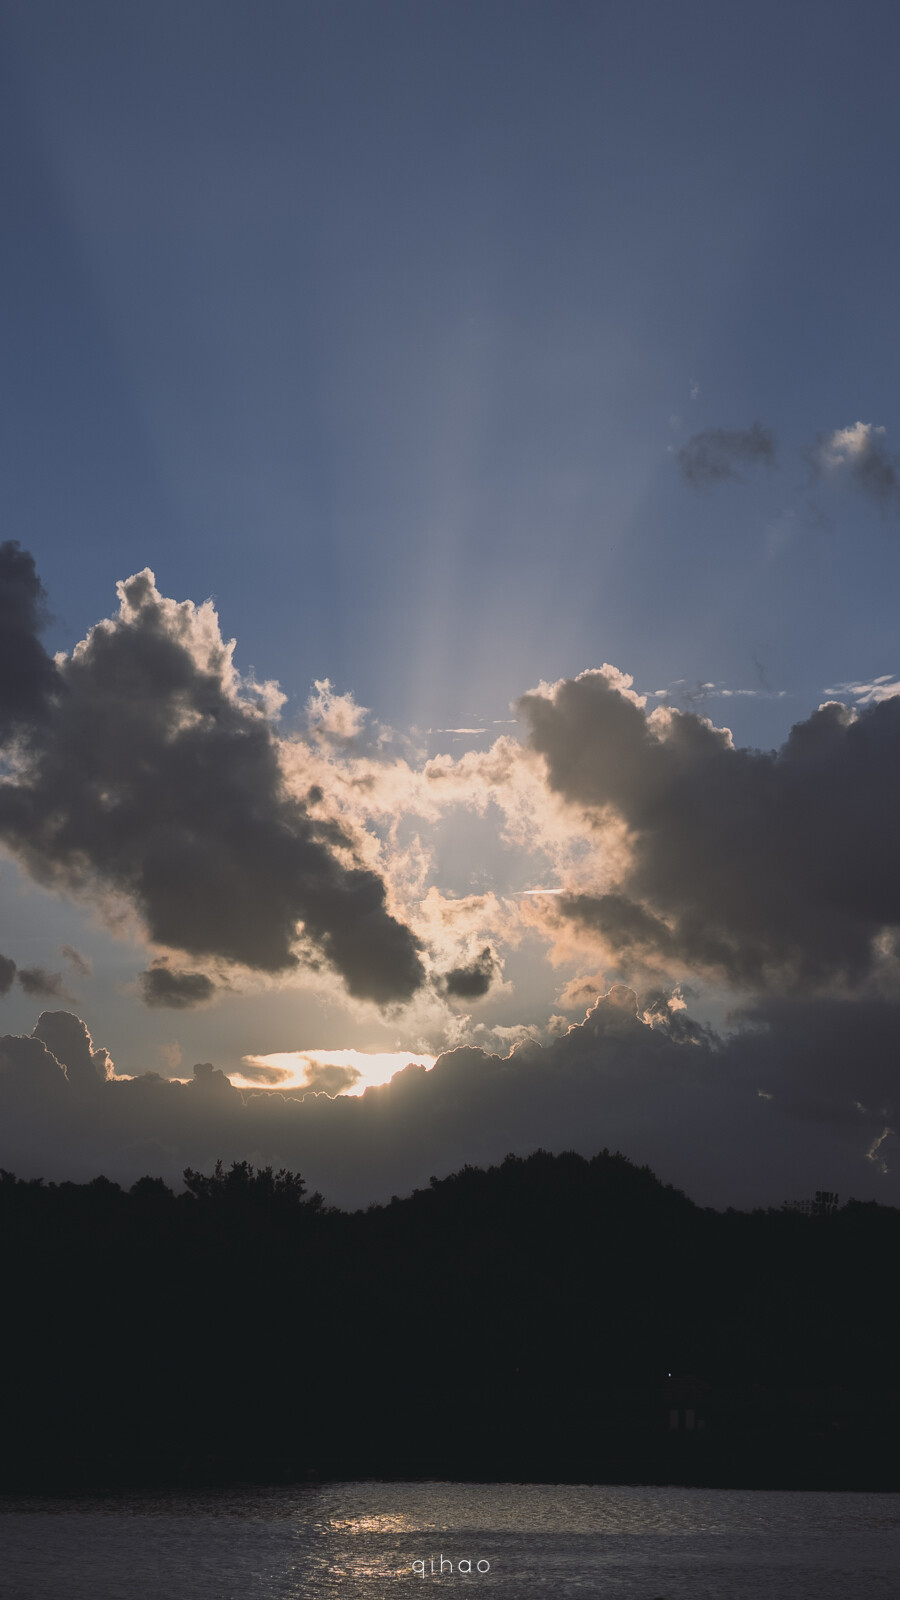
(330, 1077)
(160, 985)
(68, 1040)
(28, 676)
(145, 767)
(42, 985)
(148, 769)
(793, 1099)
(334, 718)
(775, 870)
(860, 453)
(32, 1081)
(718, 453)
(472, 981)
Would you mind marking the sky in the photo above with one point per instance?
(451, 531)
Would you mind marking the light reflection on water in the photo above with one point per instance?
(360, 1541)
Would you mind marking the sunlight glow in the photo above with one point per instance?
(355, 1070)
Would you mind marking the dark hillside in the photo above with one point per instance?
(550, 1318)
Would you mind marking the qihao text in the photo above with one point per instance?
(428, 1568)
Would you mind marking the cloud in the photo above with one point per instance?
(149, 770)
(211, 1085)
(775, 870)
(329, 1077)
(794, 1097)
(258, 1072)
(81, 963)
(334, 718)
(861, 454)
(42, 985)
(823, 1059)
(582, 991)
(32, 1084)
(68, 1039)
(620, 922)
(153, 772)
(172, 1055)
(160, 986)
(472, 981)
(716, 454)
(886, 687)
(28, 676)
(7, 974)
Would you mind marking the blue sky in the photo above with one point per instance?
(384, 325)
(371, 320)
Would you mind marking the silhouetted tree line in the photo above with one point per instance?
(516, 1323)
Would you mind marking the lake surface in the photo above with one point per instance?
(361, 1541)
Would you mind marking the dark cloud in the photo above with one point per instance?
(7, 974)
(717, 453)
(619, 921)
(67, 1037)
(777, 870)
(824, 1060)
(32, 1085)
(876, 474)
(328, 1077)
(160, 986)
(209, 1080)
(258, 1072)
(81, 963)
(154, 774)
(42, 985)
(796, 1098)
(474, 980)
(28, 676)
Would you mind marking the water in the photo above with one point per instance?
(359, 1541)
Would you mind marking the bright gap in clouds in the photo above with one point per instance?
(355, 1070)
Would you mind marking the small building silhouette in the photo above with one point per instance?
(687, 1401)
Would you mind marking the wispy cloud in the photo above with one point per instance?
(887, 687)
(75, 959)
(39, 984)
(691, 696)
(718, 453)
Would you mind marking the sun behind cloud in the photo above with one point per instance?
(354, 1070)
